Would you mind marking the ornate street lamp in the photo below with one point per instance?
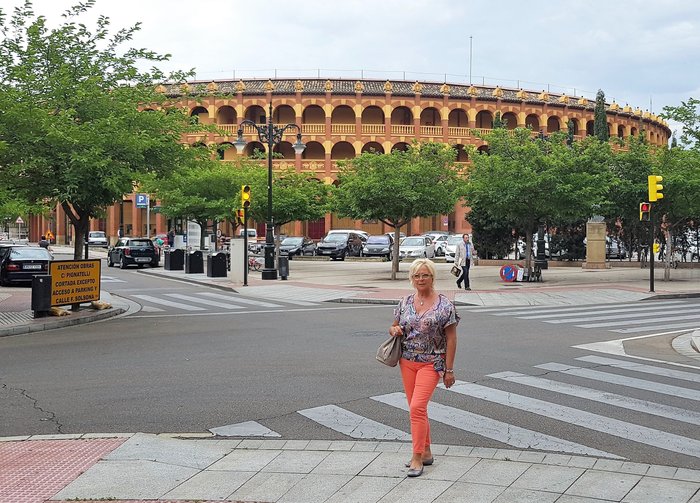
(270, 134)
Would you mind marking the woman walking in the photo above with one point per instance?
(428, 320)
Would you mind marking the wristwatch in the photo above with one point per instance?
(449, 371)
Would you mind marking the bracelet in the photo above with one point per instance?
(449, 371)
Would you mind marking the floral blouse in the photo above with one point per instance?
(425, 340)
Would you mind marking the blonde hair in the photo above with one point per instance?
(417, 264)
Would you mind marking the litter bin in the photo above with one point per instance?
(216, 265)
(194, 262)
(174, 260)
(283, 265)
(41, 295)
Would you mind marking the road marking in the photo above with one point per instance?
(151, 309)
(494, 429)
(111, 279)
(640, 367)
(630, 382)
(351, 424)
(689, 324)
(655, 409)
(595, 422)
(509, 311)
(637, 322)
(245, 429)
(637, 307)
(242, 300)
(207, 302)
(267, 311)
(164, 302)
(639, 317)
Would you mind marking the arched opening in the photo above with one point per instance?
(610, 130)
(285, 148)
(484, 120)
(200, 114)
(458, 118)
(484, 149)
(633, 131)
(343, 114)
(590, 128)
(373, 147)
(226, 115)
(510, 120)
(314, 151)
(400, 146)
(532, 122)
(460, 153)
(256, 113)
(402, 116)
(254, 149)
(342, 150)
(620, 131)
(283, 114)
(226, 151)
(313, 114)
(553, 124)
(573, 124)
(372, 115)
(430, 117)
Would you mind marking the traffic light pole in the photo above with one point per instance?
(651, 251)
(245, 246)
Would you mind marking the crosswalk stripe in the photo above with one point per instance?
(207, 302)
(351, 424)
(638, 321)
(654, 327)
(630, 382)
(604, 311)
(165, 302)
(496, 430)
(655, 409)
(510, 311)
(242, 300)
(648, 313)
(642, 367)
(595, 422)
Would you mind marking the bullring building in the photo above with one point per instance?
(342, 118)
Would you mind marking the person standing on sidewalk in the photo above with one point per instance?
(463, 258)
(428, 321)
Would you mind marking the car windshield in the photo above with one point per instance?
(292, 241)
(378, 240)
(336, 238)
(413, 242)
(140, 242)
(97, 234)
(30, 254)
(454, 240)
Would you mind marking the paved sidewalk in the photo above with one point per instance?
(146, 467)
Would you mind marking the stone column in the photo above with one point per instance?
(595, 246)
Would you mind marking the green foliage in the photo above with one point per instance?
(72, 130)
(600, 119)
(498, 122)
(688, 114)
(492, 237)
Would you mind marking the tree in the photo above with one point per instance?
(399, 186)
(73, 130)
(600, 119)
(688, 114)
(498, 122)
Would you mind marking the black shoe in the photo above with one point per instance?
(467, 288)
(459, 285)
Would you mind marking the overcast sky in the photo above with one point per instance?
(641, 52)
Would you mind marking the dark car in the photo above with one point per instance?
(338, 245)
(133, 251)
(297, 245)
(378, 246)
(21, 263)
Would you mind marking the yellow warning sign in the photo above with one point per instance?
(75, 281)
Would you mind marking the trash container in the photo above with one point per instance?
(216, 265)
(283, 264)
(194, 262)
(41, 295)
(174, 260)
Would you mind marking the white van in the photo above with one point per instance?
(252, 233)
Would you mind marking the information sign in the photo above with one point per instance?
(142, 200)
(509, 273)
(19, 221)
(74, 281)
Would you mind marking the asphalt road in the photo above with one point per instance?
(168, 369)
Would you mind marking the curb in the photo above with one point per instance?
(50, 325)
(687, 295)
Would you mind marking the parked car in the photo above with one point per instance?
(440, 242)
(338, 245)
(378, 246)
(416, 246)
(451, 247)
(97, 238)
(344, 231)
(133, 251)
(20, 263)
(614, 249)
(297, 245)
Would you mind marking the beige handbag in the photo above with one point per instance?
(389, 353)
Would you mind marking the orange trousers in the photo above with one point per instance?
(419, 382)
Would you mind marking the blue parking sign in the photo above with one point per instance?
(142, 200)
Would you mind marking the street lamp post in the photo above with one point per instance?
(270, 134)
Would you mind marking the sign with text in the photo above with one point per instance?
(74, 281)
(142, 200)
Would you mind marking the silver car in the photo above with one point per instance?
(416, 247)
(97, 238)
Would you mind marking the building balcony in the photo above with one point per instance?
(431, 130)
(458, 132)
(403, 130)
(374, 129)
(343, 129)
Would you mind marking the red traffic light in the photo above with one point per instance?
(644, 207)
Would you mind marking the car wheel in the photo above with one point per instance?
(109, 261)
(140, 266)
(343, 255)
(122, 263)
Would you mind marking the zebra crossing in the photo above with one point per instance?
(624, 318)
(608, 403)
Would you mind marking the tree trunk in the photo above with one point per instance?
(528, 249)
(395, 252)
(81, 225)
(669, 254)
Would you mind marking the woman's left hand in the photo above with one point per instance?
(448, 379)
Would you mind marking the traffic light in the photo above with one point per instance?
(655, 187)
(240, 216)
(245, 196)
(644, 212)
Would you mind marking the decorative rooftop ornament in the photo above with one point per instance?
(627, 109)
(543, 96)
(329, 86)
(160, 88)
(582, 101)
(564, 99)
(472, 91)
(614, 107)
(212, 87)
(269, 86)
(185, 88)
(388, 87)
(240, 86)
(417, 88)
(359, 87)
(521, 95)
(298, 86)
(445, 89)
(498, 92)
